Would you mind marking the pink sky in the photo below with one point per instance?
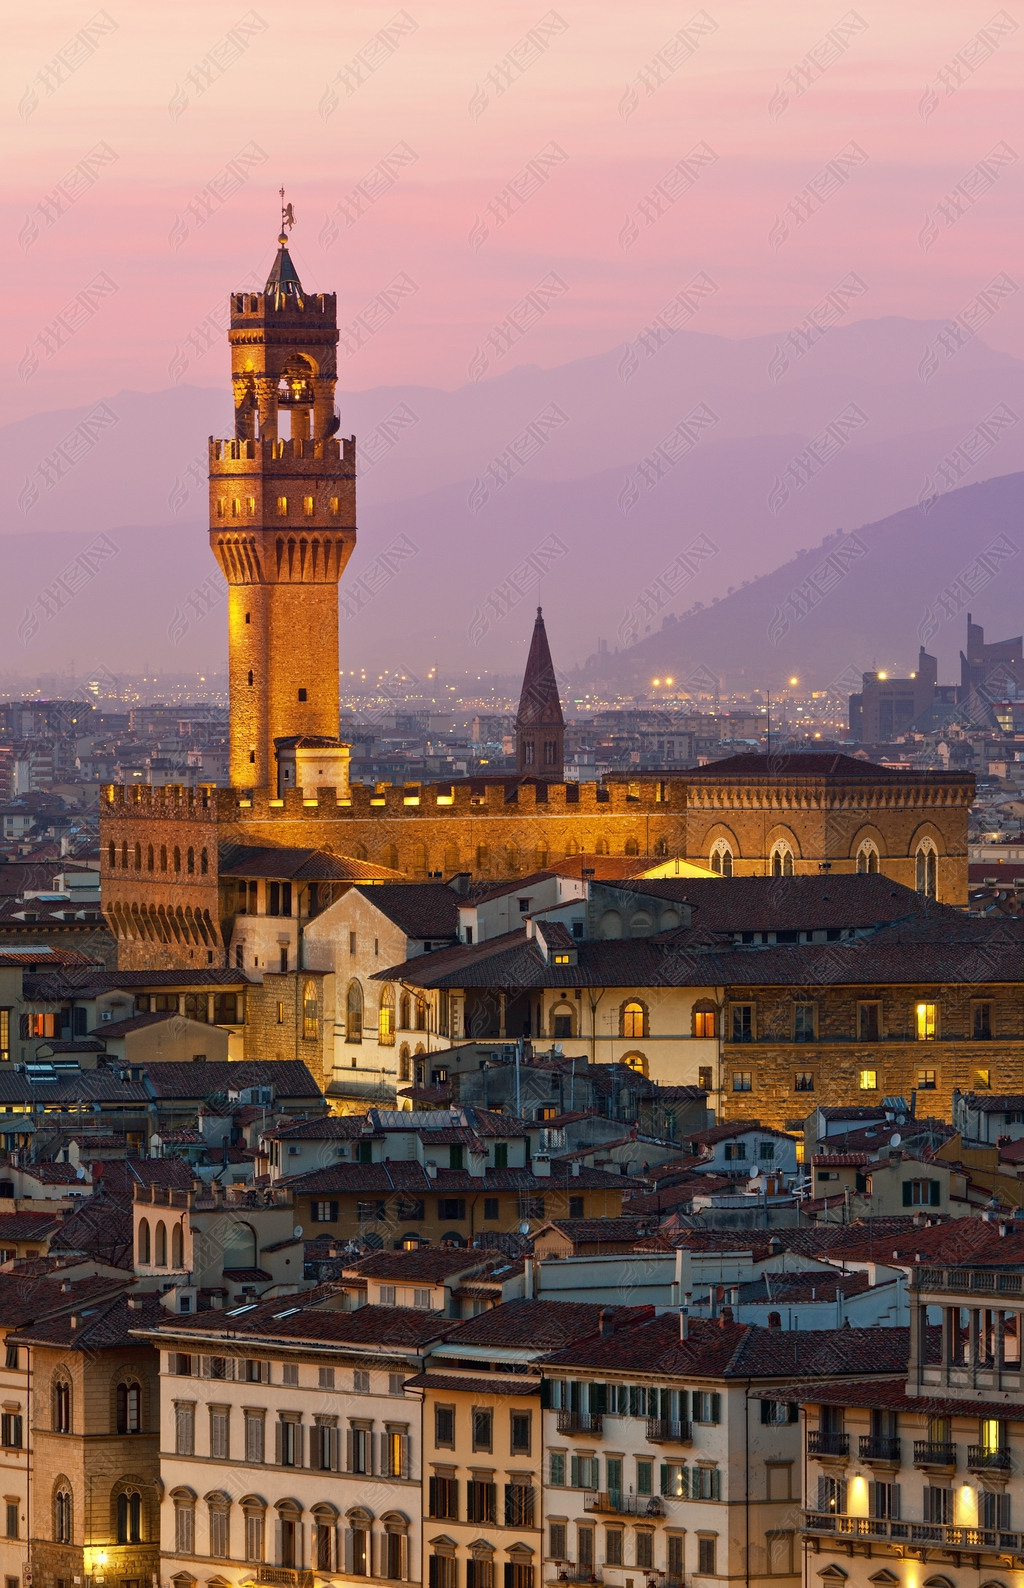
(270, 99)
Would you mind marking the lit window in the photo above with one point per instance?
(282, 507)
(235, 506)
(250, 506)
(926, 1081)
(983, 1080)
(869, 1080)
(926, 1022)
(334, 506)
(633, 1020)
(307, 506)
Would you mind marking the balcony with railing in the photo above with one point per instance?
(281, 1577)
(934, 1453)
(669, 1431)
(827, 1442)
(610, 1502)
(880, 1448)
(913, 1533)
(567, 1572)
(579, 1422)
(981, 1459)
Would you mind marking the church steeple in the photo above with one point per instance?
(540, 726)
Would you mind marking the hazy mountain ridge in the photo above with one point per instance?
(574, 486)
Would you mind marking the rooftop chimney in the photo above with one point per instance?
(726, 1318)
(684, 1324)
(605, 1323)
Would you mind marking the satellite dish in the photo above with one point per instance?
(80, 1172)
(524, 1228)
(755, 1172)
(297, 1232)
(901, 1119)
(895, 1140)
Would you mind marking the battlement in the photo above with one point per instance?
(297, 455)
(251, 309)
(364, 800)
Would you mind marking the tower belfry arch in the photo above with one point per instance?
(282, 518)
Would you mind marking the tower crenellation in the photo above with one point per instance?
(282, 521)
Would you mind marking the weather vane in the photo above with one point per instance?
(287, 214)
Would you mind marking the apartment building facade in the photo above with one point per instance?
(916, 1478)
(288, 1444)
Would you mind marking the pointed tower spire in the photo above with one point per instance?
(540, 726)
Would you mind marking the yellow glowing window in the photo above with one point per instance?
(282, 507)
(307, 506)
(869, 1080)
(926, 1022)
(335, 506)
(562, 959)
(991, 1435)
(235, 507)
(250, 506)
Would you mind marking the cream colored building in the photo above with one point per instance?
(914, 1477)
(289, 1445)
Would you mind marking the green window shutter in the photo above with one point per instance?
(716, 1407)
(716, 1484)
(574, 1468)
(664, 1479)
(766, 1415)
(907, 1194)
(545, 1393)
(685, 1484)
(599, 1397)
(793, 1412)
(936, 1193)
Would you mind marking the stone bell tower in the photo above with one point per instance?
(282, 520)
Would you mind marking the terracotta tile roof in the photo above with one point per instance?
(27, 1226)
(298, 865)
(832, 766)
(288, 1077)
(993, 1102)
(328, 1127)
(611, 1231)
(502, 890)
(419, 909)
(306, 1317)
(730, 1350)
(405, 1175)
(777, 904)
(25, 1298)
(102, 1325)
(445, 1383)
(431, 1264)
(839, 1160)
(538, 1324)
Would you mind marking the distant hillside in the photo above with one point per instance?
(860, 600)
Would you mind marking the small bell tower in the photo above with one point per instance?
(282, 518)
(540, 726)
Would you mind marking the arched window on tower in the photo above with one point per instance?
(867, 858)
(311, 1012)
(927, 869)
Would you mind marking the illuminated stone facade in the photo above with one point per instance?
(282, 514)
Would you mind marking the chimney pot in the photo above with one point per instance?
(605, 1323)
(726, 1318)
(684, 1324)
